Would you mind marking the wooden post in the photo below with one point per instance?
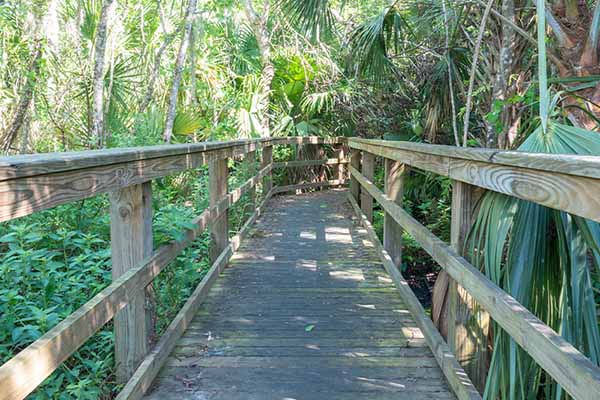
(368, 171)
(218, 172)
(394, 189)
(267, 158)
(468, 324)
(354, 185)
(341, 170)
(131, 243)
(250, 161)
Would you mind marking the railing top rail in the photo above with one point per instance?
(14, 167)
(585, 166)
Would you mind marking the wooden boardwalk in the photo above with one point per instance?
(305, 310)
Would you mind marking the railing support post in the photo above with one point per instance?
(368, 171)
(250, 161)
(395, 172)
(341, 170)
(218, 172)
(354, 185)
(267, 158)
(131, 243)
(468, 324)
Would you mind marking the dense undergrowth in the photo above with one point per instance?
(52, 262)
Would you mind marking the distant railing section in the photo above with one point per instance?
(36, 182)
(562, 182)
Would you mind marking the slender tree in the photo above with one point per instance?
(178, 72)
(97, 133)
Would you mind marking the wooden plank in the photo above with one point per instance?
(309, 163)
(218, 187)
(368, 170)
(566, 187)
(23, 373)
(584, 166)
(571, 369)
(250, 161)
(395, 172)
(306, 186)
(341, 161)
(457, 379)
(468, 325)
(267, 159)
(14, 167)
(131, 243)
(355, 157)
(140, 382)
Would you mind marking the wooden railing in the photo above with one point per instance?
(37, 182)
(569, 183)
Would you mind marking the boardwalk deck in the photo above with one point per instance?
(304, 311)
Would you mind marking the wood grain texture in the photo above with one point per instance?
(283, 322)
(306, 186)
(218, 172)
(131, 243)
(576, 373)
(141, 380)
(368, 170)
(267, 159)
(533, 177)
(355, 156)
(468, 324)
(584, 166)
(454, 373)
(395, 173)
(37, 182)
(310, 163)
(28, 369)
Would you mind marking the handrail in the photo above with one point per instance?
(36, 182)
(564, 182)
(569, 367)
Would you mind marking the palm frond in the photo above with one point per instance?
(313, 17)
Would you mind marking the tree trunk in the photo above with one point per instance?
(261, 32)
(179, 65)
(97, 133)
(25, 101)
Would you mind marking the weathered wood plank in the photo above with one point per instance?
(468, 325)
(576, 373)
(452, 370)
(218, 187)
(584, 166)
(566, 187)
(355, 157)
(310, 163)
(395, 172)
(37, 361)
(306, 186)
(267, 159)
(131, 243)
(368, 170)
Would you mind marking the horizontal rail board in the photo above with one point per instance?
(306, 186)
(571, 369)
(141, 380)
(37, 182)
(585, 166)
(28, 369)
(453, 371)
(309, 163)
(573, 190)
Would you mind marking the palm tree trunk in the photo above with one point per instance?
(179, 65)
(97, 133)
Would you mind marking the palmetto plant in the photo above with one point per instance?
(542, 257)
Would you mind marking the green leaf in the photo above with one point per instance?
(309, 328)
